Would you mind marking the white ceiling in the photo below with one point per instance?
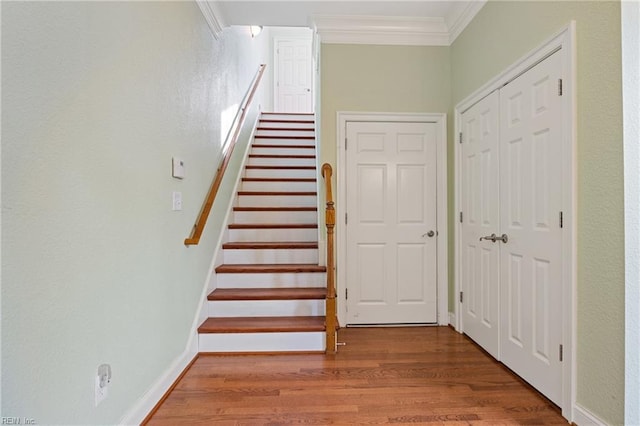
(411, 22)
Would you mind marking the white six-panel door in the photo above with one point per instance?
(481, 209)
(511, 184)
(294, 72)
(391, 205)
(531, 201)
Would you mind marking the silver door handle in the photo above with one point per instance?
(493, 238)
(428, 234)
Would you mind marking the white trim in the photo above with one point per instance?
(452, 320)
(630, 12)
(148, 401)
(389, 30)
(584, 417)
(213, 16)
(564, 41)
(458, 21)
(441, 210)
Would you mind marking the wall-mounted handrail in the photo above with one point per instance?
(330, 219)
(234, 133)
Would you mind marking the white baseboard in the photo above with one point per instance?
(583, 417)
(452, 320)
(144, 405)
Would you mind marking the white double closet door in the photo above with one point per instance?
(511, 171)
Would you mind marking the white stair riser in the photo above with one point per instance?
(282, 161)
(279, 141)
(288, 133)
(273, 234)
(261, 342)
(269, 256)
(277, 201)
(281, 173)
(274, 280)
(275, 217)
(267, 186)
(287, 117)
(265, 308)
(282, 151)
(285, 124)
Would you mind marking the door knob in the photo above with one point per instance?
(429, 234)
(493, 238)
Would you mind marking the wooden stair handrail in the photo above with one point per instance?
(236, 127)
(330, 219)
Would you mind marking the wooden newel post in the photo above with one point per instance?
(330, 219)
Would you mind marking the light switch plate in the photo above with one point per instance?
(177, 200)
(177, 168)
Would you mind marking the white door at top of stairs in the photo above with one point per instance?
(391, 181)
(294, 76)
(511, 235)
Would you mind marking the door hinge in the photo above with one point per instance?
(559, 87)
(460, 137)
(461, 296)
(460, 217)
(561, 220)
(346, 293)
(346, 219)
(345, 144)
(561, 353)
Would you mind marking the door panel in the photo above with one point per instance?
(531, 167)
(294, 86)
(391, 206)
(480, 205)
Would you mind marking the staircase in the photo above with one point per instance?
(270, 294)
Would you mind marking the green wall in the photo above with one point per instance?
(501, 33)
(96, 99)
(380, 78)
(435, 79)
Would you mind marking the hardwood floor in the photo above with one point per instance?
(382, 375)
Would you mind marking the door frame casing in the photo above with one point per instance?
(563, 43)
(440, 119)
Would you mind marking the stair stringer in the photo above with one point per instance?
(210, 283)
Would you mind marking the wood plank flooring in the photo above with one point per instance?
(428, 375)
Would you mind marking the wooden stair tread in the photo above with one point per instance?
(283, 137)
(296, 121)
(282, 193)
(296, 156)
(262, 324)
(287, 129)
(246, 179)
(275, 209)
(251, 166)
(280, 120)
(274, 245)
(273, 226)
(275, 146)
(270, 268)
(299, 293)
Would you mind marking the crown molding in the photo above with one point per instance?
(396, 30)
(381, 30)
(458, 20)
(213, 16)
